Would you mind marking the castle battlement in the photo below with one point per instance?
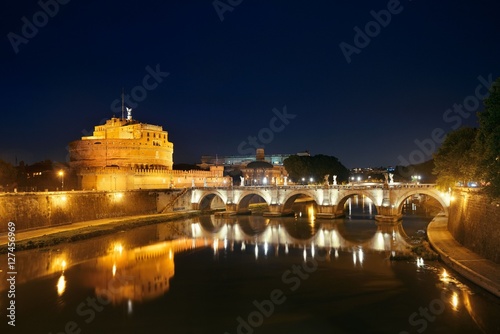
(124, 154)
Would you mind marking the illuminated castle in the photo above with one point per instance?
(124, 154)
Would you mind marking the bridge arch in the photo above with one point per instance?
(432, 192)
(206, 199)
(343, 200)
(246, 198)
(289, 199)
(211, 225)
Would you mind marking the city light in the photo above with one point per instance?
(454, 301)
(61, 285)
(61, 174)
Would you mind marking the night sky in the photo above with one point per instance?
(296, 75)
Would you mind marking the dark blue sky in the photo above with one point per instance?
(226, 77)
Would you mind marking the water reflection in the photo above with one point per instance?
(132, 268)
(152, 266)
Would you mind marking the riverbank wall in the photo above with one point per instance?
(47, 209)
(474, 221)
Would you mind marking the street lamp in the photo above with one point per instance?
(61, 174)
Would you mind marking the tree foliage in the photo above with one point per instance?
(315, 167)
(455, 161)
(473, 154)
(487, 146)
(8, 173)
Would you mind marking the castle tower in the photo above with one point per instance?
(116, 150)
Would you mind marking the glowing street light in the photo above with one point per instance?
(61, 174)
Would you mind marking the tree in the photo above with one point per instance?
(455, 159)
(315, 167)
(8, 174)
(487, 144)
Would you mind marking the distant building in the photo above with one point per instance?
(124, 154)
(253, 170)
(239, 160)
(243, 160)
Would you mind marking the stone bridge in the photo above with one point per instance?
(330, 200)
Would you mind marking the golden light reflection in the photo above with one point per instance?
(59, 263)
(129, 307)
(445, 276)
(114, 269)
(311, 213)
(118, 248)
(454, 301)
(215, 245)
(379, 243)
(61, 285)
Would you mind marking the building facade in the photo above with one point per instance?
(124, 154)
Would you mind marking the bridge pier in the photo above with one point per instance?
(232, 209)
(388, 215)
(328, 212)
(276, 210)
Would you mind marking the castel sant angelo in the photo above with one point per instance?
(125, 154)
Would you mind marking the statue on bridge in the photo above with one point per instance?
(391, 178)
(242, 181)
(335, 180)
(326, 180)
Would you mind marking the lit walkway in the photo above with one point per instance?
(480, 271)
(35, 233)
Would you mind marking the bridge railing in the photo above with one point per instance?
(350, 186)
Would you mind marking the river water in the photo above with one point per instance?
(248, 274)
